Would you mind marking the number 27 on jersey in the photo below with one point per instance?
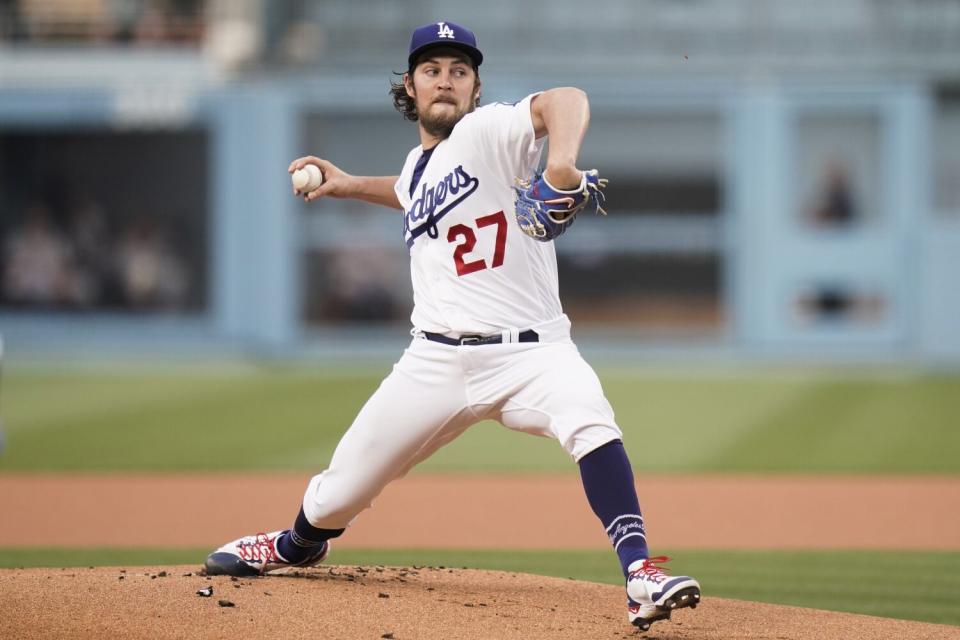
(468, 240)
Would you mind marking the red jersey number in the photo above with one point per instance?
(469, 240)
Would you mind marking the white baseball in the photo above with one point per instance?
(307, 179)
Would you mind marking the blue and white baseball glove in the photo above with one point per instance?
(544, 212)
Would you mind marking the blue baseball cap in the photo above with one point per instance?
(443, 34)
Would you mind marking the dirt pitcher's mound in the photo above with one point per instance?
(377, 602)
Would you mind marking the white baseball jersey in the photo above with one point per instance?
(473, 269)
(474, 272)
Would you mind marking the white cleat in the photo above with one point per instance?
(653, 595)
(256, 555)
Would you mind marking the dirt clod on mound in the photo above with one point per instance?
(424, 603)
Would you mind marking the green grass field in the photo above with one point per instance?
(775, 421)
(771, 421)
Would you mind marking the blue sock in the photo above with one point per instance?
(608, 482)
(303, 540)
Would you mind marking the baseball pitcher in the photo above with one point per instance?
(490, 339)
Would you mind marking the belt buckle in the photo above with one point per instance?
(470, 340)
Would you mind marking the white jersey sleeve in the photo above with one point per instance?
(505, 133)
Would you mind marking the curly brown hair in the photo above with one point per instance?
(403, 103)
(406, 105)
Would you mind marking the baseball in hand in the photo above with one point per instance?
(307, 179)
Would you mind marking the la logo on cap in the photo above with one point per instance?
(445, 31)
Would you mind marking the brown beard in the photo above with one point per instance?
(440, 126)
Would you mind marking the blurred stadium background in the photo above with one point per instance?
(785, 176)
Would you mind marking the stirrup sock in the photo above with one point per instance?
(608, 482)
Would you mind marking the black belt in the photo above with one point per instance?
(524, 336)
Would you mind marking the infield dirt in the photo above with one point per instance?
(441, 512)
(425, 603)
(487, 512)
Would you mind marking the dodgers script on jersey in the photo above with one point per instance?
(473, 269)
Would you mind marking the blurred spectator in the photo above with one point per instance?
(92, 251)
(128, 21)
(152, 275)
(125, 15)
(157, 21)
(839, 304)
(38, 266)
(11, 24)
(836, 206)
(86, 268)
(184, 20)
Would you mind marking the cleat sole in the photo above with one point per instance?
(227, 564)
(689, 597)
(644, 623)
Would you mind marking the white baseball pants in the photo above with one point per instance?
(436, 391)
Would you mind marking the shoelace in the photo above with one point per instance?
(649, 571)
(260, 550)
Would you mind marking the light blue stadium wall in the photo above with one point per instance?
(254, 242)
(256, 245)
(772, 254)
